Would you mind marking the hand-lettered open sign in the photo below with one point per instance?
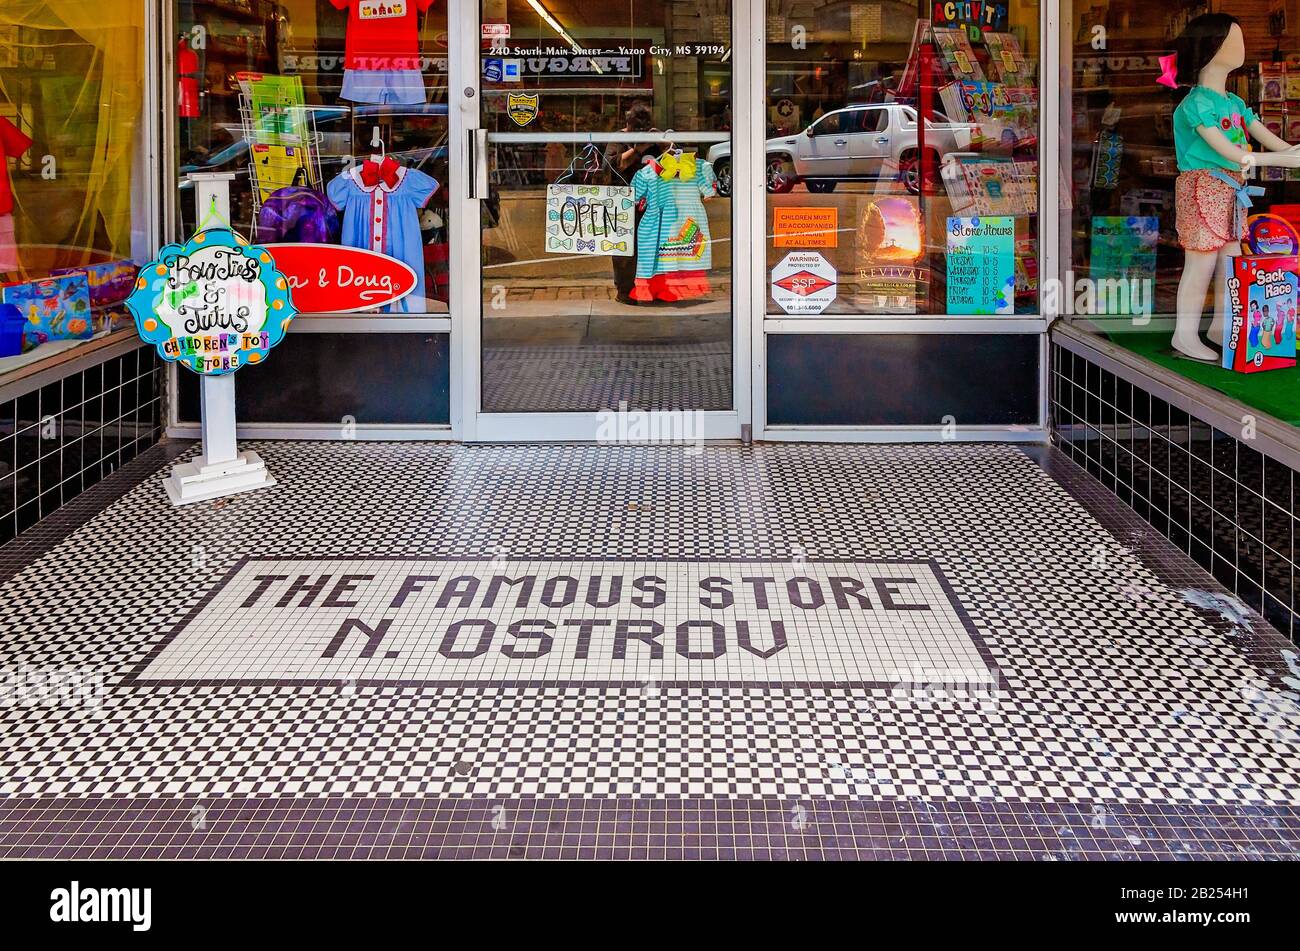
(331, 279)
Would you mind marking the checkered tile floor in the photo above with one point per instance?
(1127, 713)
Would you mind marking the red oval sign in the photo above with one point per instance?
(332, 279)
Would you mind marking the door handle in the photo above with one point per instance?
(882, 139)
(841, 142)
(476, 147)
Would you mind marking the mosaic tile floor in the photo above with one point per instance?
(415, 650)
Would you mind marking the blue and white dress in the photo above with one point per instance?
(386, 218)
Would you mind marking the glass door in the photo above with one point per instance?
(600, 172)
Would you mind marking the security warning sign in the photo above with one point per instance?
(804, 283)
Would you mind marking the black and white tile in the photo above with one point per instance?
(1122, 690)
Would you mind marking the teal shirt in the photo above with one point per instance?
(1222, 111)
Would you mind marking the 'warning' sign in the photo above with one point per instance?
(804, 283)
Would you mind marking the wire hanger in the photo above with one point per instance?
(214, 217)
(589, 152)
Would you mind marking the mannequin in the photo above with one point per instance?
(1214, 160)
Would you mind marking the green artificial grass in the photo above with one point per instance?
(1275, 392)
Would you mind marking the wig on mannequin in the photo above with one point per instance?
(1199, 43)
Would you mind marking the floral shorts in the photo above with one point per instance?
(1207, 214)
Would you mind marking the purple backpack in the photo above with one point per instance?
(297, 214)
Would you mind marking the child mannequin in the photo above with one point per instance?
(1214, 157)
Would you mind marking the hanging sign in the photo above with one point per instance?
(334, 279)
(982, 265)
(213, 304)
(590, 219)
(804, 283)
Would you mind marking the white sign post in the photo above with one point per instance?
(222, 469)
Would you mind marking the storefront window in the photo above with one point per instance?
(323, 110)
(73, 219)
(1172, 253)
(902, 159)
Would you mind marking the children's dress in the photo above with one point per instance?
(382, 59)
(381, 212)
(13, 143)
(673, 247)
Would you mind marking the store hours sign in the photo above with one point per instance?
(214, 304)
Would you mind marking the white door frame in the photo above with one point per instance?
(468, 421)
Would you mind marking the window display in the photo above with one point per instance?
(674, 252)
(73, 222)
(333, 119)
(1185, 188)
(1212, 131)
(913, 135)
(382, 62)
(13, 144)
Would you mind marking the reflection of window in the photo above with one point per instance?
(936, 116)
(829, 125)
(873, 120)
(302, 126)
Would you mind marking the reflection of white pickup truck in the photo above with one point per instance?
(857, 143)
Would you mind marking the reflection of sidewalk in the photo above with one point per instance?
(596, 322)
(522, 291)
(600, 375)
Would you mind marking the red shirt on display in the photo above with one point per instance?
(383, 34)
(12, 144)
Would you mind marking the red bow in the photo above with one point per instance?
(1169, 71)
(372, 172)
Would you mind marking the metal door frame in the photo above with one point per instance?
(468, 420)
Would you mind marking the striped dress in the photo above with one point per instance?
(673, 247)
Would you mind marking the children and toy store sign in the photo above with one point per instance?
(213, 304)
